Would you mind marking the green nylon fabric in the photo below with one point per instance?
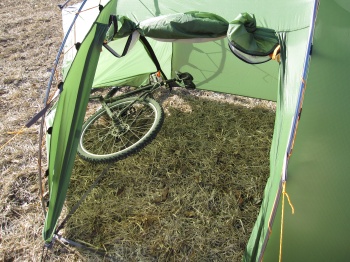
(67, 126)
(294, 47)
(215, 68)
(68, 121)
(187, 25)
(125, 28)
(318, 170)
(247, 37)
(134, 68)
(211, 63)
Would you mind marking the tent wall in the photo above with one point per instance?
(214, 67)
(135, 67)
(68, 120)
(290, 88)
(318, 170)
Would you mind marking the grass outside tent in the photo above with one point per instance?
(193, 194)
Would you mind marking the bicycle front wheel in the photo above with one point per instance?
(105, 139)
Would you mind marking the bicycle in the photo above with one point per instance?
(126, 122)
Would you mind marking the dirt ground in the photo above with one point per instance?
(30, 36)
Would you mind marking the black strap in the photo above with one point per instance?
(61, 6)
(38, 116)
(43, 111)
(125, 51)
(151, 54)
(113, 19)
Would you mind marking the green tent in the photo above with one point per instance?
(311, 163)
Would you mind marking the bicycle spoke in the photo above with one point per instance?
(106, 139)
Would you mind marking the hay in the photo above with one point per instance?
(30, 33)
(193, 194)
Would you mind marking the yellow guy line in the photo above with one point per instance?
(16, 134)
(284, 193)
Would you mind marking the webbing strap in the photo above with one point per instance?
(125, 51)
(146, 45)
(48, 105)
(152, 55)
(113, 19)
(61, 6)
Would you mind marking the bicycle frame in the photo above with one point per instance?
(127, 122)
(145, 91)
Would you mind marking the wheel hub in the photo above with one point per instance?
(119, 130)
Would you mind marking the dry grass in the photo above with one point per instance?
(193, 194)
(29, 39)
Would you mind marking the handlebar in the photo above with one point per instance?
(186, 79)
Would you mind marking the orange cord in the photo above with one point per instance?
(16, 133)
(87, 9)
(275, 55)
(284, 193)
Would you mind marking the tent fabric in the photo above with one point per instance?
(68, 120)
(289, 89)
(244, 35)
(242, 31)
(90, 13)
(188, 25)
(215, 66)
(66, 128)
(318, 169)
(121, 27)
(316, 172)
